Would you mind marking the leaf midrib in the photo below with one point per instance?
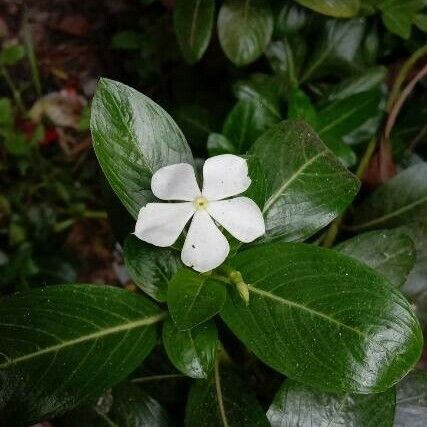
(304, 308)
(93, 336)
(389, 215)
(279, 192)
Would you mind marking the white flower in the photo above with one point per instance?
(205, 247)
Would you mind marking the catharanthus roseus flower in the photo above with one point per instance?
(205, 246)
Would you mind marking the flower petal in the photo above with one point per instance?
(205, 246)
(161, 223)
(225, 176)
(175, 182)
(240, 216)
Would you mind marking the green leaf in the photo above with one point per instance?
(420, 20)
(286, 58)
(246, 122)
(124, 405)
(219, 144)
(322, 318)
(296, 404)
(194, 298)
(127, 40)
(301, 108)
(151, 267)
(289, 19)
(133, 137)
(411, 400)
(344, 116)
(63, 345)
(196, 123)
(398, 15)
(398, 201)
(309, 186)
(10, 55)
(223, 400)
(244, 29)
(366, 81)
(193, 351)
(6, 117)
(193, 22)
(336, 8)
(390, 252)
(336, 49)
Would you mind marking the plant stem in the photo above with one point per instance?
(156, 378)
(406, 67)
(14, 90)
(31, 54)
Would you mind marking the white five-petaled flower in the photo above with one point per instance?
(205, 247)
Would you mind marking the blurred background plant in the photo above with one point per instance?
(226, 71)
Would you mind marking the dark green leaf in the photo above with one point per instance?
(62, 345)
(398, 15)
(301, 108)
(366, 81)
(244, 29)
(223, 400)
(336, 49)
(193, 22)
(286, 58)
(246, 122)
(219, 144)
(344, 116)
(133, 137)
(289, 19)
(420, 20)
(309, 187)
(390, 252)
(398, 201)
(298, 405)
(124, 405)
(337, 8)
(194, 298)
(323, 319)
(10, 55)
(193, 351)
(151, 267)
(258, 190)
(127, 40)
(196, 123)
(411, 401)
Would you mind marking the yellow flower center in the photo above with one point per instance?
(201, 203)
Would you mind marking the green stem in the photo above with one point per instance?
(14, 90)
(401, 77)
(31, 54)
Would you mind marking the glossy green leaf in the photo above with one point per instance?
(398, 15)
(289, 19)
(366, 81)
(400, 200)
(244, 29)
(223, 400)
(336, 8)
(390, 252)
(296, 404)
(193, 22)
(124, 405)
(219, 144)
(258, 190)
(194, 298)
(309, 186)
(323, 319)
(301, 108)
(415, 287)
(193, 351)
(151, 267)
(336, 49)
(133, 137)
(62, 345)
(344, 116)
(286, 58)
(411, 400)
(246, 122)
